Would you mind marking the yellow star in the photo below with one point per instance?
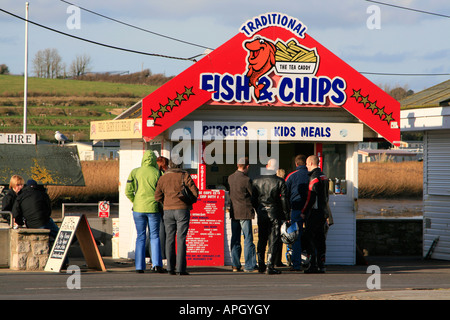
(163, 109)
(155, 115)
(381, 112)
(171, 103)
(372, 106)
(356, 94)
(388, 118)
(188, 91)
(180, 97)
(364, 100)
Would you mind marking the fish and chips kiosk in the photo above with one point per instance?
(271, 91)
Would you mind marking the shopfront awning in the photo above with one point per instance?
(47, 164)
(272, 61)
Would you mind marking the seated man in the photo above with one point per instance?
(33, 206)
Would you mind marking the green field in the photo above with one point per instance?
(65, 105)
(14, 85)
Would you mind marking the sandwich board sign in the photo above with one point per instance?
(74, 226)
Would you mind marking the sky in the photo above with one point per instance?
(370, 37)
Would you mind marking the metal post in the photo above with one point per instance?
(25, 90)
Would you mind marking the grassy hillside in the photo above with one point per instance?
(64, 105)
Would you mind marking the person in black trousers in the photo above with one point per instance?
(272, 206)
(315, 213)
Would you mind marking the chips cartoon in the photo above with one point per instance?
(293, 58)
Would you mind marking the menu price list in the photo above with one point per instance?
(205, 239)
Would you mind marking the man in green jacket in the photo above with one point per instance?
(140, 189)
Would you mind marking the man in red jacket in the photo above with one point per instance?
(315, 212)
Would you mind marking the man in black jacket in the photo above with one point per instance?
(316, 213)
(272, 206)
(34, 206)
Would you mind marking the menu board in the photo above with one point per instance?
(61, 244)
(205, 239)
(72, 226)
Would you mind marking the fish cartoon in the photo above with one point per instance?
(261, 59)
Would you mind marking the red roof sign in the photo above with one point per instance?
(272, 61)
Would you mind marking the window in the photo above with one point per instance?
(334, 159)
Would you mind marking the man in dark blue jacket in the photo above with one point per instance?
(297, 191)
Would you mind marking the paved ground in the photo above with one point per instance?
(219, 293)
(403, 278)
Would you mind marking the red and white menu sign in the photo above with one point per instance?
(205, 239)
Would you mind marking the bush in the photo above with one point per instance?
(144, 77)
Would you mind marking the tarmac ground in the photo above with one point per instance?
(398, 278)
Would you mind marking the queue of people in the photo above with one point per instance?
(301, 198)
(161, 215)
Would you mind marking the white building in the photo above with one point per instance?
(99, 150)
(321, 107)
(393, 155)
(433, 118)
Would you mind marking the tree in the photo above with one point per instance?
(4, 69)
(47, 63)
(80, 65)
(398, 93)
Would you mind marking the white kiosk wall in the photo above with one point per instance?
(131, 152)
(341, 240)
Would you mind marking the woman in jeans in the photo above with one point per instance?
(140, 189)
(176, 216)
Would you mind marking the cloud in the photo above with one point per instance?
(436, 54)
(405, 41)
(379, 56)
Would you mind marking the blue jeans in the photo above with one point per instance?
(297, 246)
(245, 227)
(142, 221)
(52, 226)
